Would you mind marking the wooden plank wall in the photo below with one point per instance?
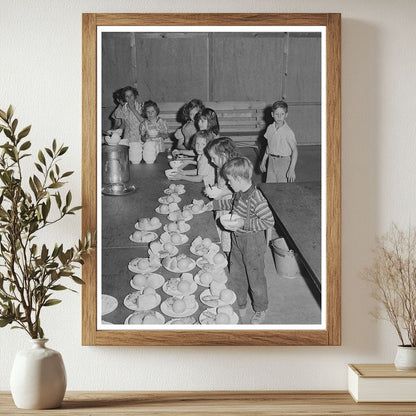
(175, 67)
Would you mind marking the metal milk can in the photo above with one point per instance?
(115, 164)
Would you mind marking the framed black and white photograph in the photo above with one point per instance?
(211, 172)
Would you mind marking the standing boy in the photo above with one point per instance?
(281, 150)
(248, 243)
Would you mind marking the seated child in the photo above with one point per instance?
(207, 119)
(220, 151)
(281, 150)
(184, 134)
(248, 243)
(204, 172)
(153, 127)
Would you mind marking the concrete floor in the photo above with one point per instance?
(291, 301)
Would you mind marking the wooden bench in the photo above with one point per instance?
(243, 121)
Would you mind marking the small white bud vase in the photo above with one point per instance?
(405, 358)
(38, 377)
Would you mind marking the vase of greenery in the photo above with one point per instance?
(393, 277)
(30, 272)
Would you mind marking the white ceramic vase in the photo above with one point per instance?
(405, 358)
(38, 377)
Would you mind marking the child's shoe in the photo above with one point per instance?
(258, 318)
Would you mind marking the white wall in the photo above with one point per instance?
(40, 39)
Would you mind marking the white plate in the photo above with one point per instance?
(187, 320)
(167, 310)
(215, 303)
(132, 266)
(171, 292)
(157, 209)
(108, 304)
(175, 197)
(186, 228)
(178, 191)
(162, 253)
(153, 237)
(200, 211)
(191, 266)
(129, 301)
(156, 284)
(203, 318)
(142, 314)
(204, 264)
(177, 215)
(167, 238)
(148, 228)
(219, 277)
(213, 246)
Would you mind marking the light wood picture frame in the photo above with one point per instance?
(331, 100)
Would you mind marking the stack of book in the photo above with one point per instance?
(381, 383)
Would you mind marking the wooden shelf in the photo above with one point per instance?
(259, 403)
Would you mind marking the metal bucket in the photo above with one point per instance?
(284, 259)
(115, 164)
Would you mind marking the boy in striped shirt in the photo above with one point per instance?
(248, 242)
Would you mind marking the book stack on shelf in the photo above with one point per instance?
(381, 383)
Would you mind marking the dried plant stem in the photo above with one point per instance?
(393, 276)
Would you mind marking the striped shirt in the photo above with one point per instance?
(250, 205)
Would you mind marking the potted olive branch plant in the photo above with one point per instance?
(393, 278)
(31, 273)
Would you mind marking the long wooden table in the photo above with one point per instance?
(119, 215)
(298, 214)
(205, 403)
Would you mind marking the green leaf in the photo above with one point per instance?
(54, 145)
(45, 211)
(51, 302)
(68, 198)
(24, 132)
(25, 146)
(39, 167)
(58, 199)
(5, 321)
(40, 331)
(63, 150)
(41, 158)
(49, 152)
(67, 174)
(77, 208)
(3, 115)
(44, 253)
(8, 133)
(78, 280)
(33, 187)
(59, 287)
(10, 112)
(56, 185)
(14, 125)
(37, 183)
